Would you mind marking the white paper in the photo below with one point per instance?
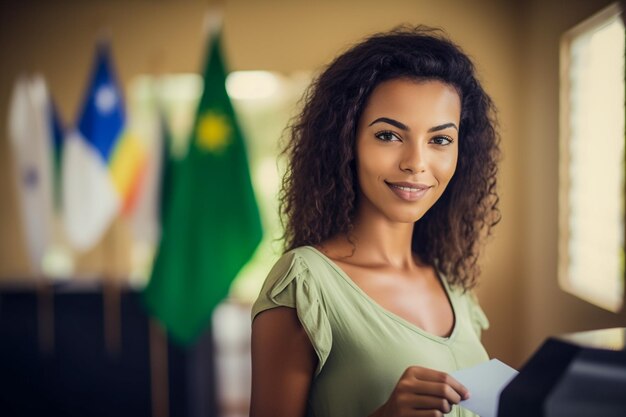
(484, 382)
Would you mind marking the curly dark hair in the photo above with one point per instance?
(318, 196)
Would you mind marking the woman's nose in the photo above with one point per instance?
(413, 158)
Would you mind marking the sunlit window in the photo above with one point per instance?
(591, 187)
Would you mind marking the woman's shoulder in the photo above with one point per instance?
(306, 263)
(299, 259)
(296, 269)
(294, 282)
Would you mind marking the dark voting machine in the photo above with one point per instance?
(575, 375)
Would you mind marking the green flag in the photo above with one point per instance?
(211, 224)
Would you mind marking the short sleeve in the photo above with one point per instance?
(477, 315)
(290, 283)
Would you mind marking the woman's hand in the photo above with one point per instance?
(423, 392)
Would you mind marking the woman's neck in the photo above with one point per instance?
(374, 241)
(384, 242)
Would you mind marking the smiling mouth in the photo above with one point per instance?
(408, 192)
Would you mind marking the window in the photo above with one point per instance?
(591, 171)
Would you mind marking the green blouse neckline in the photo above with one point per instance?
(452, 301)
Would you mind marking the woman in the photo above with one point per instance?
(389, 191)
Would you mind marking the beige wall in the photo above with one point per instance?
(513, 43)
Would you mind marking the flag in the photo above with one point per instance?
(32, 124)
(102, 160)
(146, 210)
(58, 132)
(211, 223)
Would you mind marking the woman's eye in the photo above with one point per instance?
(442, 140)
(387, 136)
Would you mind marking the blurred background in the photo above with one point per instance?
(73, 324)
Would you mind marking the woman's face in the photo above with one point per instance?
(406, 148)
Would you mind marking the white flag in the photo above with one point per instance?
(31, 136)
(91, 199)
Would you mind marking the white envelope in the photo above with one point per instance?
(485, 382)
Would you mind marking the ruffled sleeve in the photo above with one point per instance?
(290, 284)
(477, 315)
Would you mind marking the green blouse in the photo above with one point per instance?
(363, 349)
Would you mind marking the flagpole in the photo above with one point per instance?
(159, 378)
(112, 303)
(111, 296)
(45, 290)
(45, 315)
(159, 362)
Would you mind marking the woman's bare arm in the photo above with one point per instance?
(283, 363)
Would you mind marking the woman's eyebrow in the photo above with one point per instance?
(442, 127)
(404, 127)
(392, 122)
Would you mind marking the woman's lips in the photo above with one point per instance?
(408, 191)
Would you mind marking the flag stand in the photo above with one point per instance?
(111, 293)
(159, 378)
(45, 315)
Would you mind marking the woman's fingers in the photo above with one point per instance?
(439, 390)
(422, 392)
(426, 402)
(439, 383)
(427, 413)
